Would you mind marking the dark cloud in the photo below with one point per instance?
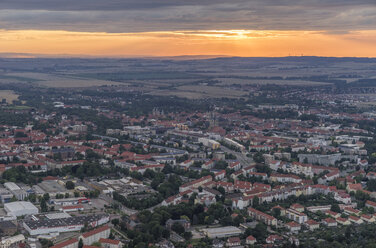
(156, 15)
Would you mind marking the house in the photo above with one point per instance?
(297, 207)
(285, 178)
(183, 222)
(195, 183)
(330, 222)
(71, 243)
(371, 175)
(342, 197)
(271, 239)
(350, 211)
(281, 209)
(333, 214)
(371, 204)
(293, 226)
(355, 219)
(110, 243)
(312, 224)
(343, 221)
(297, 216)
(250, 240)
(353, 187)
(367, 218)
(233, 241)
(266, 218)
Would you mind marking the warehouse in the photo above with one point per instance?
(222, 232)
(71, 224)
(20, 208)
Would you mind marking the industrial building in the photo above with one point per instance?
(20, 208)
(38, 226)
(222, 232)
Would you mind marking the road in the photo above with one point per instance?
(242, 158)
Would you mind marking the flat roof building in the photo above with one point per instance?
(222, 232)
(20, 208)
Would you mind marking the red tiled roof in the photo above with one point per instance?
(95, 231)
(65, 243)
(109, 241)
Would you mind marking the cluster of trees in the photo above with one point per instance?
(136, 203)
(152, 224)
(21, 174)
(363, 235)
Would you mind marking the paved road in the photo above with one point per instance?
(243, 159)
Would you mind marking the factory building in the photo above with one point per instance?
(20, 208)
(38, 226)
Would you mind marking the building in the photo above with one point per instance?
(95, 235)
(371, 204)
(293, 226)
(312, 225)
(195, 183)
(233, 241)
(12, 241)
(183, 222)
(110, 243)
(330, 222)
(250, 240)
(71, 243)
(7, 228)
(37, 226)
(20, 208)
(266, 218)
(221, 232)
(297, 216)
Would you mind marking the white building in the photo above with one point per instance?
(20, 208)
(95, 235)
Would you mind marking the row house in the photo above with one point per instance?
(285, 178)
(329, 222)
(219, 175)
(195, 184)
(242, 186)
(261, 175)
(260, 216)
(296, 216)
(235, 166)
(208, 165)
(293, 226)
(229, 187)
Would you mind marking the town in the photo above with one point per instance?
(110, 167)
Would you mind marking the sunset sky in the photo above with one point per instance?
(129, 28)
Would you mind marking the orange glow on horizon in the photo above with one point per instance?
(246, 43)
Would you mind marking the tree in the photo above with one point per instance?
(43, 205)
(46, 196)
(69, 185)
(176, 227)
(335, 208)
(80, 243)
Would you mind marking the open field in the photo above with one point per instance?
(8, 95)
(55, 81)
(199, 92)
(230, 81)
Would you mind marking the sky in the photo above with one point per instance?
(137, 28)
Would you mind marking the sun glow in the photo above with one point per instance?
(190, 42)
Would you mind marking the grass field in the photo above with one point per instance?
(200, 92)
(55, 81)
(8, 95)
(230, 81)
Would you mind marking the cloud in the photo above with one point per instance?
(156, 15)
